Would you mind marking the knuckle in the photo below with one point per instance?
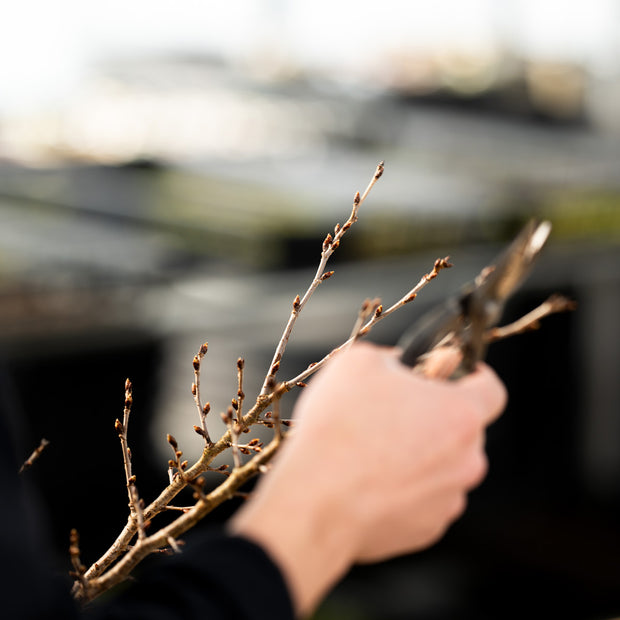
(467, 425)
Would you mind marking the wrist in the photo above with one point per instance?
(302, 534)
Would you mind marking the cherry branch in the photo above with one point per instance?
(126, 552)
(330, 244)
(362, 328)
(202, 411)
(135, 506)
(36, 453)
(531, 320)
(87, 588)
(74, 553)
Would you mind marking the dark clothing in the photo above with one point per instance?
(215, 577)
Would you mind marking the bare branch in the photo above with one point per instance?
(135, 507)
(330, 244)
(174, 545)
(36, 453)
(90, 587)
(369, 307)
(133, 544)
(531, 321)
(74, 553)
(238, 402)
(202, 411)
(233, 430)
(378, 315)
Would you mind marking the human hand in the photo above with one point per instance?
(379, 463)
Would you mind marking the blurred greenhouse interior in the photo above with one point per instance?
(167, 176)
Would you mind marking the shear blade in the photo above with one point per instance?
(465, 317)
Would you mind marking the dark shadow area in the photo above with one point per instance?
(70, 390)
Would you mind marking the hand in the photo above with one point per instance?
(378, 464)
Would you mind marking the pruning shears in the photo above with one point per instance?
(464, 318)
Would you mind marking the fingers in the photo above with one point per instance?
(484, 387)
(440, 363)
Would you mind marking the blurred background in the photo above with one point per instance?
(167, 174)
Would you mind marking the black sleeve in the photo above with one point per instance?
(216, 576)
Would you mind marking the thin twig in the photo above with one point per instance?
(330, 244)
(174, 545)
(36, 453)
(531, 320)
(278, 392)
(176, 463)
(238, 402)
(74, 553)
(370, 306)
(202, 411)
(135, 508)
(378, 315)
(233, 430)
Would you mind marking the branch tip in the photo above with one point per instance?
(36, 453)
